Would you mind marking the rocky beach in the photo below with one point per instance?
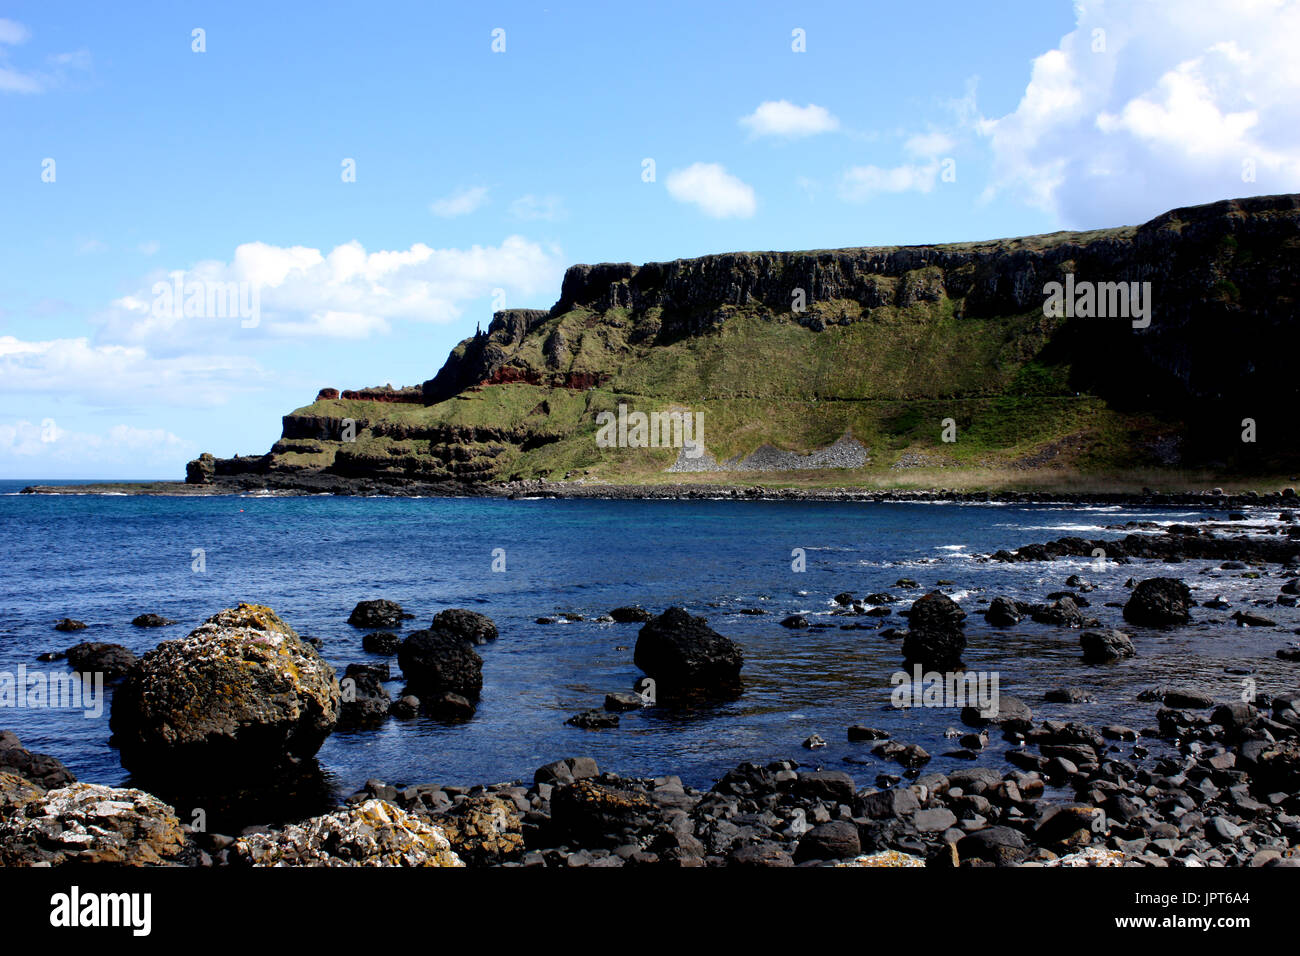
(1193, 776)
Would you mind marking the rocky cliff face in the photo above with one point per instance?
(875, 325)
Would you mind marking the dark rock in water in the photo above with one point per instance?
(545, 620)
(1159, 602)
(837, 840)
(50, 656)
(795, 622)
(1002, 612)
(378, 613)
(111, 660)
(241, 691)
(474, 627)
(1182, 697)
(1247, 619)
(1289, 653)
(449, 706)
(1100, 647)
(624, 701)
(41, 769)
(151, 620)
(879, 597)
(406, 707)
(632, 614)
(934, 636)
(860, 732)
(907, 755)
(1063, 612)
(1011, 713)
(1067, 695)
(365, 701)
(593, 720)
(434, 660)
(906, 583)
(90, 824)
(381, 642)
(68, 624)
(682, 653)
(814, 742)
(844, 597)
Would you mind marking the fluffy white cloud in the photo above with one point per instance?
(1152, 105)
(121, 375)
(860, 183)
(530, 208)
(460, 203)
(783, 119)
(300, 292)
(29, 447)
(714, 190)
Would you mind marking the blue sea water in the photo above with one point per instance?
(105, 559)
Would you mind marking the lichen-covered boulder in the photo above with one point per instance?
(373, 833)
(242, 691)
(16, 792)
(88, 823)
(484, 830)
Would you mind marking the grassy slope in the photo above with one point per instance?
(889, 379)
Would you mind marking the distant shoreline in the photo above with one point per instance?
(274, 486)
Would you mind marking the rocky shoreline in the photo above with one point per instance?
(1204, 781)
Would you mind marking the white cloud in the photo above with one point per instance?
(1167, 113)
(860, 183)
(709, 186)
(347, 293)
(928, 145)
(530, 208)
(781, 118)
(460, 203)
(32, 446)
(17, 80)
(108, 375)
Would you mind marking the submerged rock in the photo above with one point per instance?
(152, 620)
(633, 614)
(87, 823)
(242, 690)
(381, 642)
(373, 833)
(68, 624)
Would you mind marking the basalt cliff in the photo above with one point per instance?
(919, 360)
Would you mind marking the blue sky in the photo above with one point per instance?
(480, 175)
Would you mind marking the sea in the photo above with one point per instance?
(104, 559)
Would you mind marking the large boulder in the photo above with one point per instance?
(934, 636)
(378, 613)
(87, 823)
(1159, 602)
(372, 833)
(241, 691)
(1003, 612)
(682, 653)
(474, 627)
(436, 661)
(111, 660)
(1102, 647)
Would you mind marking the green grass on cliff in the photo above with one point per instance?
(890, 378)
